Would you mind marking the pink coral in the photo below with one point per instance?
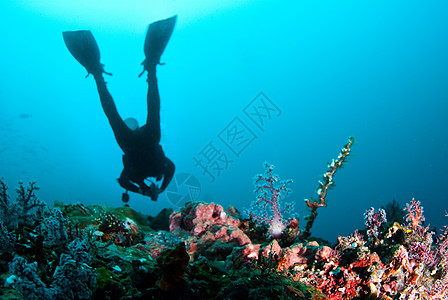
(207, 228)
(325, 253)
(272, 249)
(199, 217)
(415, 214)
(294, 255)
(270, 190)
(243, 254)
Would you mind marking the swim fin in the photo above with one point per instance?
(82, 45)
(157, 38)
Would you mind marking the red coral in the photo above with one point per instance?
(366, 262)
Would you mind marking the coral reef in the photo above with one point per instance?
(203, 251)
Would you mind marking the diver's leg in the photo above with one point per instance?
(82, 45)
(153, 99)
(157, 37)
(121, 131)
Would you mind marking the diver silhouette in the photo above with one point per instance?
(143, 156)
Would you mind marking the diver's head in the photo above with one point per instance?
(131, 123)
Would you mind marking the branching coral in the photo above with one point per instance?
(324, 185)
(22, 211)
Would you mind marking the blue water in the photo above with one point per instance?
(375, 70)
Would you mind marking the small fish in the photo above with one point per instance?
(25, 116)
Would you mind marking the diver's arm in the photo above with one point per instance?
(167, 175)
(127, 184)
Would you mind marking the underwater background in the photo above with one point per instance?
(244, 82)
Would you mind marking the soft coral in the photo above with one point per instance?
(270, 190)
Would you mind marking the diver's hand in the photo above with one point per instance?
(151, 191)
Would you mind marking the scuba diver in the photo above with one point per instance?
(143, 156)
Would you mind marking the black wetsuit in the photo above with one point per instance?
(143, 156)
